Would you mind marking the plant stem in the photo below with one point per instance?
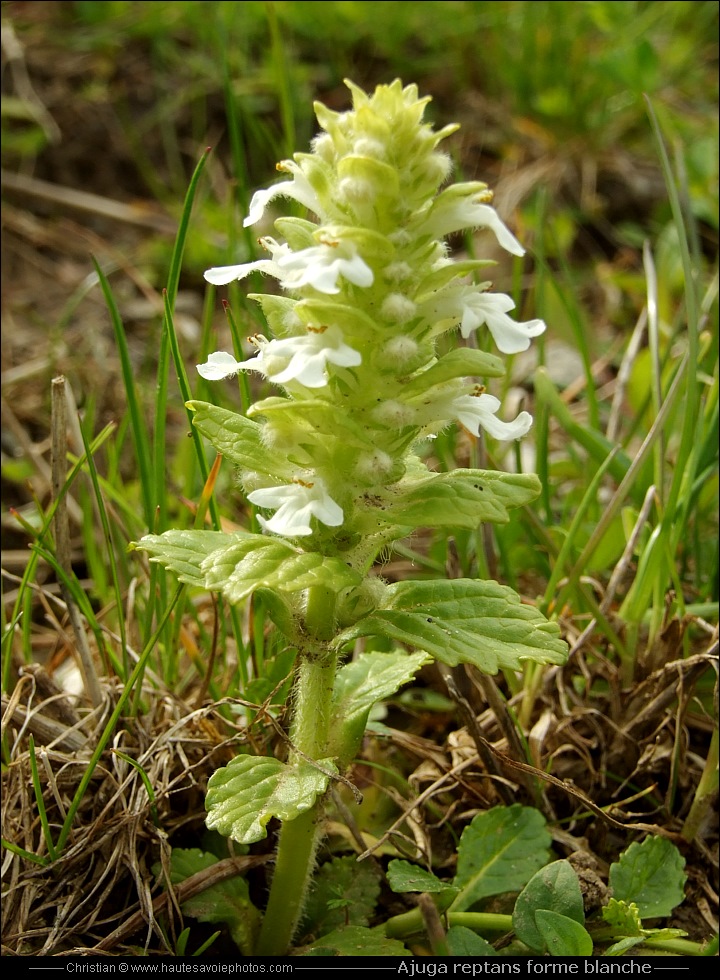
(411, 923)
(309, 736)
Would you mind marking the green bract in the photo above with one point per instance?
(360, 355)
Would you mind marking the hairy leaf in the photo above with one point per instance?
(461, 498)
(183, 552)
(555, 888)
(464, 942)
(356, 941)
(651, 875)
(243, 796)
(237, 564)
(358, 686)
(499, 852)
(563, 936)
(252, 561)
(228, 901)
(406, 877)
(343, 893)
(464, 621)
(239, 439)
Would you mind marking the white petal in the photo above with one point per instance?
(486, 217)
(309, 355)
(299, 191)
(512, 337)
(219, 365)
(478, 411)
(492, 308)
(308, 370)
(356, 271)
(343, 356)
(223, 274)
(321, 265)
(455, 212)
(295, 504)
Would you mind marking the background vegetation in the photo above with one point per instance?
(596, 125)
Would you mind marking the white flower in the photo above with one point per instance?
(220, 365)
(299, 189)
(462, 206)
(320, 266)
(492, 309)
(223, 274)
(309, 356)
(478, 410)
(295, 504)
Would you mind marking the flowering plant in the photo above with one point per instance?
(369, 287)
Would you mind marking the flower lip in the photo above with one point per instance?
(309, 354)
(463, 206)
(478, 410)
(295, 504)
(220, 365)
(510, 336)
(320, 266)
(299, 189)
(223, 274)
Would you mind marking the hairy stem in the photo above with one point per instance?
(309, 735)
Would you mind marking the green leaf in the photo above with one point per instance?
(356, 941)
(358, 885)
(463, 621)
(359, 685)
(463, 362)
(624, 917)
(183, 552)
(239, 439)
(499, 852)
(403, 876)
(252, 561)
(555, 888)
(245, 795)
(228, 901)
(563, 936)
(464, 942)
(621, 947)
(461, 498)
(651, 875)
(237, 564)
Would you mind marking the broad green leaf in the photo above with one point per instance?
(228, 901)
(237, 564)
(555, 888)
(183, 552)
(251, 561)
(464, 942)
(245, 795)
(499, 852)
(464, 621)
(343, 892)
(461, 498)
(445, 274)
(464, 362)
(356, 941)
(238, 439)
(318, 416)
(358, 686)
(563, 936)
(403, 876)
(651, 875)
